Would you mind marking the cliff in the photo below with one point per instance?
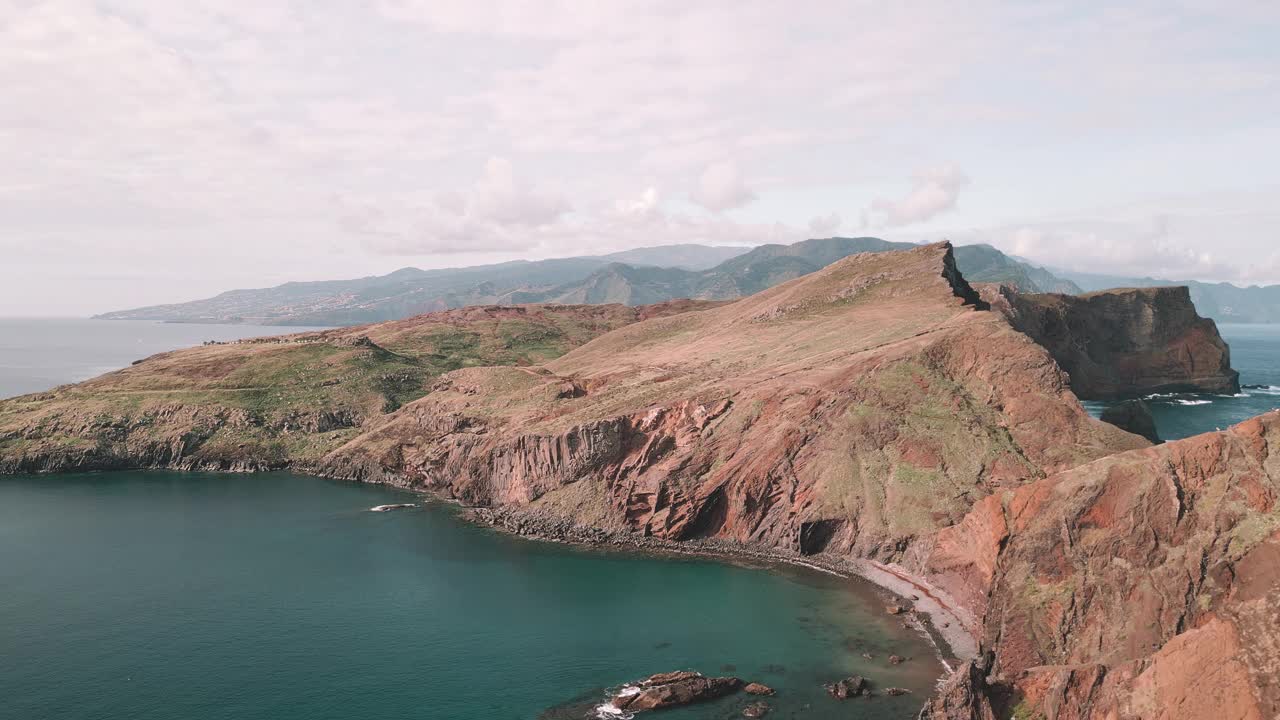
(1142, 585)
(849, 411)
(1126, 342)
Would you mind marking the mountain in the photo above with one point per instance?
(983, 263)
(1222, 301)
(685, 257)
(875, 417)
(633, 277)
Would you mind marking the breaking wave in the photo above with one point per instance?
(1263, 389)
(1194, 402)
(607, 710)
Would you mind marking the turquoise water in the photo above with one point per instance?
(180, 595)
(1255, 352)
(39, 353)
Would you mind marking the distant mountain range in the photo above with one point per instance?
(633, 277)
(1223, 302)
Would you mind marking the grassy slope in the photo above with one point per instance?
(275, 401)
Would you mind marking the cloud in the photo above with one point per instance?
(499, 213)
(825, 225)
(644, 205)
(721, 187)
(934, 192)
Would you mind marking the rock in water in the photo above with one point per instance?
(1133, 416)
(852, 686)
(673, 689)
(756, 688)
(756, 710)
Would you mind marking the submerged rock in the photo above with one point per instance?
(756, 710)
(389, 508)
(1133, 416)
(673, 689)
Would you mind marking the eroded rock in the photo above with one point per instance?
(673, 689)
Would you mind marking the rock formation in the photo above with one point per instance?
(1133, 416)
(1127, 342)
(847, 412)
(673, 689)
(1143, 585)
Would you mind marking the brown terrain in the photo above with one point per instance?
(875, 414)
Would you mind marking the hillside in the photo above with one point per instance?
(272, 402)
(634, 277)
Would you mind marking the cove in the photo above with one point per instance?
(197, 595)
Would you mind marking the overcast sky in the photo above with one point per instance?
(165, 150)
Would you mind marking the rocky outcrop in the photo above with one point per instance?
(1133, 416)
(673, 689)
(1143, 585)
(852, 686)
(848, 412)
(1126, 342)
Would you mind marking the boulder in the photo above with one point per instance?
(756, 688)
(852, 686)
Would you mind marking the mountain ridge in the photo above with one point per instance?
(639, 276)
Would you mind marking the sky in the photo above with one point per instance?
(158, 151)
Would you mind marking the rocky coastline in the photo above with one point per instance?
(876, 419)
(947, 626)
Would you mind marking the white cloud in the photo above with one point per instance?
(499, 213)
(645, 204)
(721, 187)
(825, 225)
(933, 193)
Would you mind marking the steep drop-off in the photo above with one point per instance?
(1143, 585)
(1126, 342)
(849, 411)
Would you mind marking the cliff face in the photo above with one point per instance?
(1126, 342)
(847, 412)
(1143, 585)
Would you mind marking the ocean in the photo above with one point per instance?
(1255, 352)
(39, 353)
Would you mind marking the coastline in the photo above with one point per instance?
(926, 609)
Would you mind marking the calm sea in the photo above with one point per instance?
(39, 353)
(151, 595)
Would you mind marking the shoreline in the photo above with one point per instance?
(926, 609)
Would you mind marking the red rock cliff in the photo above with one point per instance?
(1126, 342)
(1143, 585)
